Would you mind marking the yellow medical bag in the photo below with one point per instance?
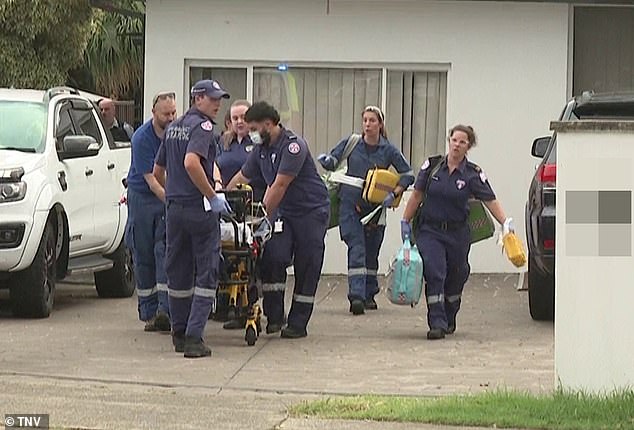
(514, 249)
(378, 184)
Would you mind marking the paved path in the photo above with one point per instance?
(90, 365)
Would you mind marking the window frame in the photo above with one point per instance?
(75, 107)
(383, 67)
(67, 104)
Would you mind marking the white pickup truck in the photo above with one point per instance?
(61, 183)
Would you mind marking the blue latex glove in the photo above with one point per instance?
(388, 200)
(264, 230)
(326, 161)
(220, 205)
(406, 230)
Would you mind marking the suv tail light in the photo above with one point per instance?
(547, 174)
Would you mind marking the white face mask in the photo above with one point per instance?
(255, 137)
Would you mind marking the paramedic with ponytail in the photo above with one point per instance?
(364, 242)
(234, 148)
(444, 186)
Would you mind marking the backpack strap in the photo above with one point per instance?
(435, 163)
(350, 145)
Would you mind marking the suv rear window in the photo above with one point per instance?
(22, 125)
(615, 108)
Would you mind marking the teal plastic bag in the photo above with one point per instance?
(405, 280)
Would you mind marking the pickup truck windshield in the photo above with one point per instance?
(22, 126)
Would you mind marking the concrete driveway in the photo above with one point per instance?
(90, 365)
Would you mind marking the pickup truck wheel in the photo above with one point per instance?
(119, 280)
(541, 294)
(32, 290)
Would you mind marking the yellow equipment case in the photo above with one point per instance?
(378, 184)
(514, 249)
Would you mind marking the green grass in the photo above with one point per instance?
(502, 409)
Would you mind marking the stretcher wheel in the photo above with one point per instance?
(251, 336)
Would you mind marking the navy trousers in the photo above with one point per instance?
(445, 269)
(301, 240)
(364, 244)
(145, 237)
(193, 247)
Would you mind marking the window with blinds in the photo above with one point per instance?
(324, 105)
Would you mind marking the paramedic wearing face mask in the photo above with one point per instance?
(184, 163)
(299, 226)
(364, 242)
(443, 234)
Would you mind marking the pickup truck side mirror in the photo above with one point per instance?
(78, 146)
(540, 145)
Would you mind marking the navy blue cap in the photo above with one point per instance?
(210, 88)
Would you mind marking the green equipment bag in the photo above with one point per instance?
(332, 186)
(479, 220)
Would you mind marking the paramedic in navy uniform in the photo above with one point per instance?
(443, 235)
(145, 230)
(364, 242)
(297, 204)
(234, 148)
(187, 156)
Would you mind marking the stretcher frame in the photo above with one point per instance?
(240, 259)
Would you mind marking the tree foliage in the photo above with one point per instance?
(113, 58)
(40, 40)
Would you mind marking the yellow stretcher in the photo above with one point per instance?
(241, 252)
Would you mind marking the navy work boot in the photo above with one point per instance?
(451, 327)
(159, 322)
(196, 348)
(436, 333)
(370, 304)
(357, 307)
(178, 340)
(273, 328)
(289, 332)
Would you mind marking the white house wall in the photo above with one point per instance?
(507, 71)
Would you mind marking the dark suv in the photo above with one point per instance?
(540, 207)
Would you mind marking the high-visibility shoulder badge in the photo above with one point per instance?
(207, 125)
(483, 177)
(294, 148)
(425, 165)
(248, 148)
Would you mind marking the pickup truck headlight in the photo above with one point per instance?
(12, 191)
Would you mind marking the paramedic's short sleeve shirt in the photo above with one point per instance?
(293, 155)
